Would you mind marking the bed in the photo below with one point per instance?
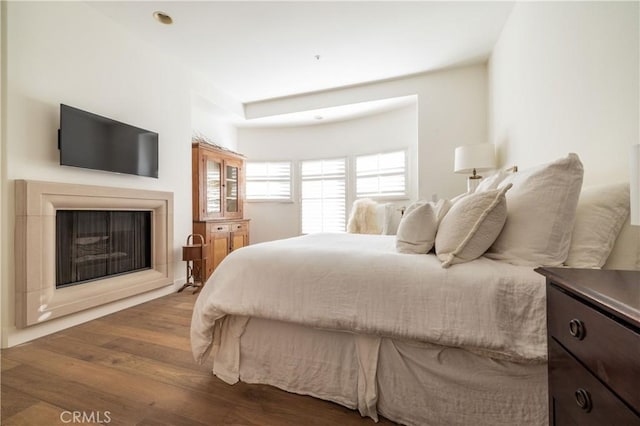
(349, 319)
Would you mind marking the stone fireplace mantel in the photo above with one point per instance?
(37, 298)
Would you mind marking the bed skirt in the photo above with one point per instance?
(409, 382)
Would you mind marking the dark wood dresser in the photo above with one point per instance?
(593, 328)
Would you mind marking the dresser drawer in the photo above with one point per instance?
(219, 227)
(607, 348)
(579, 398)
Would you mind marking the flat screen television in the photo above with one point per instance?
(93, 142)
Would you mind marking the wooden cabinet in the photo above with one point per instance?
(218, 183)
(222, 238)
(593, 331)
(218, 202)
(239, 234)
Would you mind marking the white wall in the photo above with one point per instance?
(382, 132)
(563, 77)
(3, 116)
(452, 111)
(213, 122)
(67, 52)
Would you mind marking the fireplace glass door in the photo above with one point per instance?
(93, 244)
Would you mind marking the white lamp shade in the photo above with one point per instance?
(634, 184)
(481, 156)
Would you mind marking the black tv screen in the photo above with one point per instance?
(93, 142)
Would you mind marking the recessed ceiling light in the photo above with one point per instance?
(162, 17)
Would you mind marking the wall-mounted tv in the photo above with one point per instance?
(93, 142)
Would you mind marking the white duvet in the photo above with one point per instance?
(359, 283)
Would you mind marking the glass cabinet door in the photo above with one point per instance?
(231, 189)
(213, 177)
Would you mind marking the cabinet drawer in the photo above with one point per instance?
(579, 398)
(239, 227)
(219, 227)
(608, 349)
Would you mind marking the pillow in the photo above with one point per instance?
(414, 206)
(388, 218)
(600, 215)
(626, 250)
(459, 197)
(541, 212)
(417, 229)
(383, 213)
(471, 226)
(492, 182)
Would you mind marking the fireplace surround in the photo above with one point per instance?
(37, 298)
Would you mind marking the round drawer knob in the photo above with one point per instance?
(576, 329)
(583, 399)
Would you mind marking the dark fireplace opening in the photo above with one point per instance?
(94, 244)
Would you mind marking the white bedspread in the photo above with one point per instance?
(359, 283)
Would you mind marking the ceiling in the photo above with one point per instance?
(330, 115)
(263, 50)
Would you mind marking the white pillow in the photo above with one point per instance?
(417, 229)
(541, 212)
(600, 215)
(492, 182)
(388, 218)
(471, 226)
(383, 213)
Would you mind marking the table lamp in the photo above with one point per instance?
(472, 159)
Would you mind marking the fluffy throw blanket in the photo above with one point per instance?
(364, 218)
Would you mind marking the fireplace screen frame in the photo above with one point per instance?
(37, 298)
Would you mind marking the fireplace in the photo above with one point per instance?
(94, 244)
(80, 246)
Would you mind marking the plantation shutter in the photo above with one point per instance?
(381, 175)
(268, 180)
(323, 195)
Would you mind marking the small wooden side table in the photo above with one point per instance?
(196, 256)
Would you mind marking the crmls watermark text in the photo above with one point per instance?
(85, 417)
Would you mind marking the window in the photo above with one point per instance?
(323, 195)
(269, 181)
(381, 175)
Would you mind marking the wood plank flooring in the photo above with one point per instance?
(135, 367)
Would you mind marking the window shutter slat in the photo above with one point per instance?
(323, 195)
(381, 175)
(268, 180)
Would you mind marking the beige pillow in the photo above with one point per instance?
(541, 212)
(417, 229)
(626, 250)
(471, 226)
(460, 197)
(492, 182)
(600, 215)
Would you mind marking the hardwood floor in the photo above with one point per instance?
(135, 367)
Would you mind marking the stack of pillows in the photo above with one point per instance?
(524, 218)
